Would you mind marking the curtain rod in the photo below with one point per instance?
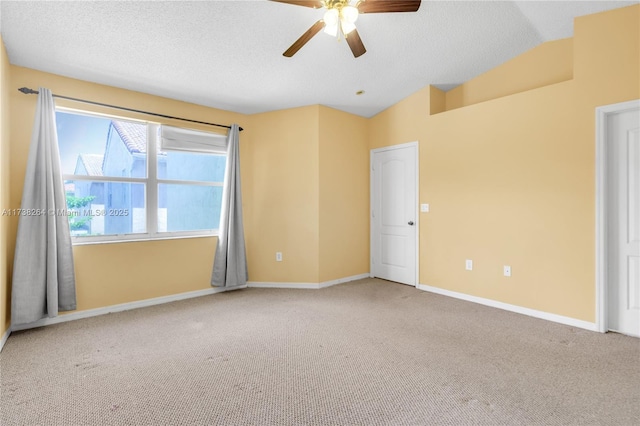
(28, 91)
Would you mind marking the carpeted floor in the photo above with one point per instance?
(368, 352)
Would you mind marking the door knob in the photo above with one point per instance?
(411, 222)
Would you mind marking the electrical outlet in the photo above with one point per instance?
(278, 256)
(507, 270)
(468, 265)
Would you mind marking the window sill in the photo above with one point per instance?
(79, 241)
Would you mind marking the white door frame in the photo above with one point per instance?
(415, 144)
(602, 113)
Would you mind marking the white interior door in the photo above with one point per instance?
(623, 204)
(394, 213)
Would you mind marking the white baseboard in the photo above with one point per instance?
(312, 286)
(4, 338)
(123, 307)
(343, 280)
(166, 299)
(261, 284)
(513, 308)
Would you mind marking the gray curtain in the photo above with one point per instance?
(230, 263)
(43, 273)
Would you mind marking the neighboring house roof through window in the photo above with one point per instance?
(92, 164)
(134, 135)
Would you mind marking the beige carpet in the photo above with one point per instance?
(368, 352)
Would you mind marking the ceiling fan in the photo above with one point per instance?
(341, 16)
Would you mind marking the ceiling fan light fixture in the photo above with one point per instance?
(331, 18)
(340, 18)
(347, 27)
(332, 30)
(349, 14)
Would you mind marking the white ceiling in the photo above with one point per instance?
(228, 54)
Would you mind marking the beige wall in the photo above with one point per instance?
(437, 100)
(548, 63)
(5, 318)
(402, 122)
(344, 195)
(509, 184)
(511, 180)
(284, 196)
(309, 196)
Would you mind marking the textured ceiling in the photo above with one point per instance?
(228, 54)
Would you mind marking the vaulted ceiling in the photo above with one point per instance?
(228, 54)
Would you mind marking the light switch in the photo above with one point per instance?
(424, 208)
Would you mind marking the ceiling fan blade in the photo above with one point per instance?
(316, 4)
(384, 6)
(304, 38)
(355, 43)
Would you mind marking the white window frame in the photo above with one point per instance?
(151, 181)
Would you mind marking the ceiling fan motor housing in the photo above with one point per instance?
(335, 4)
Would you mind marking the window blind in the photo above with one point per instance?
(177, 139)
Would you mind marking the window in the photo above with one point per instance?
(128, 180)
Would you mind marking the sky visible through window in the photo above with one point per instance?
(81, 134)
